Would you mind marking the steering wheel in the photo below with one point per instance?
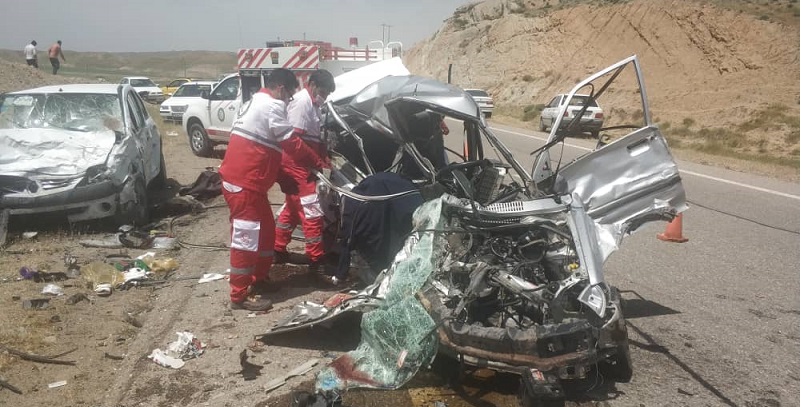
(447, 171)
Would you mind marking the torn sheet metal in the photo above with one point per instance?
(52, 152)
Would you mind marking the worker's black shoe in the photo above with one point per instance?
(253, 304)
(280, 257)
(264, 286)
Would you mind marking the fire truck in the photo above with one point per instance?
(208, 121)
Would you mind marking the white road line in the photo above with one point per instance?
(709, 177)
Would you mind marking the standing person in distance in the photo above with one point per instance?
(30, 54)
(54, 53)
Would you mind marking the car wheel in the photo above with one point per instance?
(618, 367)
(594, 134)
(199, 141)
(136, 211)
(542, 125)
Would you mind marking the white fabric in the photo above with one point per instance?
(231, 187)
(311, 206)
(263, 120)
(30, 51)
(304, 115)
(245, 235)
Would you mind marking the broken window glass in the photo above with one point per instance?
(399, 336)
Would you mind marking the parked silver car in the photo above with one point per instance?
(87, 151)
(501, 268)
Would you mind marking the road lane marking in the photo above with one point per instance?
(696, 174)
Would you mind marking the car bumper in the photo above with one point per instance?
(154, 98)
(177, 117)
(94, 201)
(585, 125)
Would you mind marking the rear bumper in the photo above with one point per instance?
(585, 125)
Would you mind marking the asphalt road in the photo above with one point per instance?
(714, 321)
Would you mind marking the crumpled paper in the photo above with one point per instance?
(184, 348)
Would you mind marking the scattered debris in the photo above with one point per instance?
(298, 371)
(55, 319)
(76, 298)
(52, 289)
(112, 357)
(208, 277)
(127, 317)
(102, 277)
(29, 235)
(172, 133)
(30, 273)
(306, 399)
(9, 386)
(684, 392)
(249, 370)
(185, 347)
(57, 384)
(36, 358)
(164, 243)
(36, 303)
(135, 239)
(109, 242)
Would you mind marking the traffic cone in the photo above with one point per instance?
(673, 232)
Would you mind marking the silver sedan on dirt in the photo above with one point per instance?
(85, 151)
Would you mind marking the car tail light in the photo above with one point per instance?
(599, 115)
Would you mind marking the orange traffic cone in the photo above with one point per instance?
(673, 232)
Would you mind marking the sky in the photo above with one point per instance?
(215, 25)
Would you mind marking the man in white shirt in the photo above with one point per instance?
(302, 205)
(30, 54)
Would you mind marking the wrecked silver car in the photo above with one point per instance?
(501, 268)
(85, 151)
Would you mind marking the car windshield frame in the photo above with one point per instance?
(198, 90)
(82, 112)
(142, 83)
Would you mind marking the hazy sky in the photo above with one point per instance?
(219, 25)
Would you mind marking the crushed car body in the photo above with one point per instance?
(85, 151)
(501, 267)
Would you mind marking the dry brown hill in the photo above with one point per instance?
(721, 78)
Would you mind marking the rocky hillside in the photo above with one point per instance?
(722, 77)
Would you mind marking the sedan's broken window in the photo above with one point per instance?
(69, 111)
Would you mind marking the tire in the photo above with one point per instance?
(619, 367)
(199, 141)
(595, 134)
(531, 400)
(136, 212)
(542, 125)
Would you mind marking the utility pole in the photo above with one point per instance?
(385, 28)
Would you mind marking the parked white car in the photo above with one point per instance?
(208, 122)
(174, 107)
(483, 100)
(85, 151)
(147, 89)
(592, 120)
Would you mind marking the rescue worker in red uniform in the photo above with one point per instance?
(260, 134)
(302, 206)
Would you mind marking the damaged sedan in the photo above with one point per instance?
(83, 151)
(498, 267)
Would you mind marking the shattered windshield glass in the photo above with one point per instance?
(142, 83)
(83, 112)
